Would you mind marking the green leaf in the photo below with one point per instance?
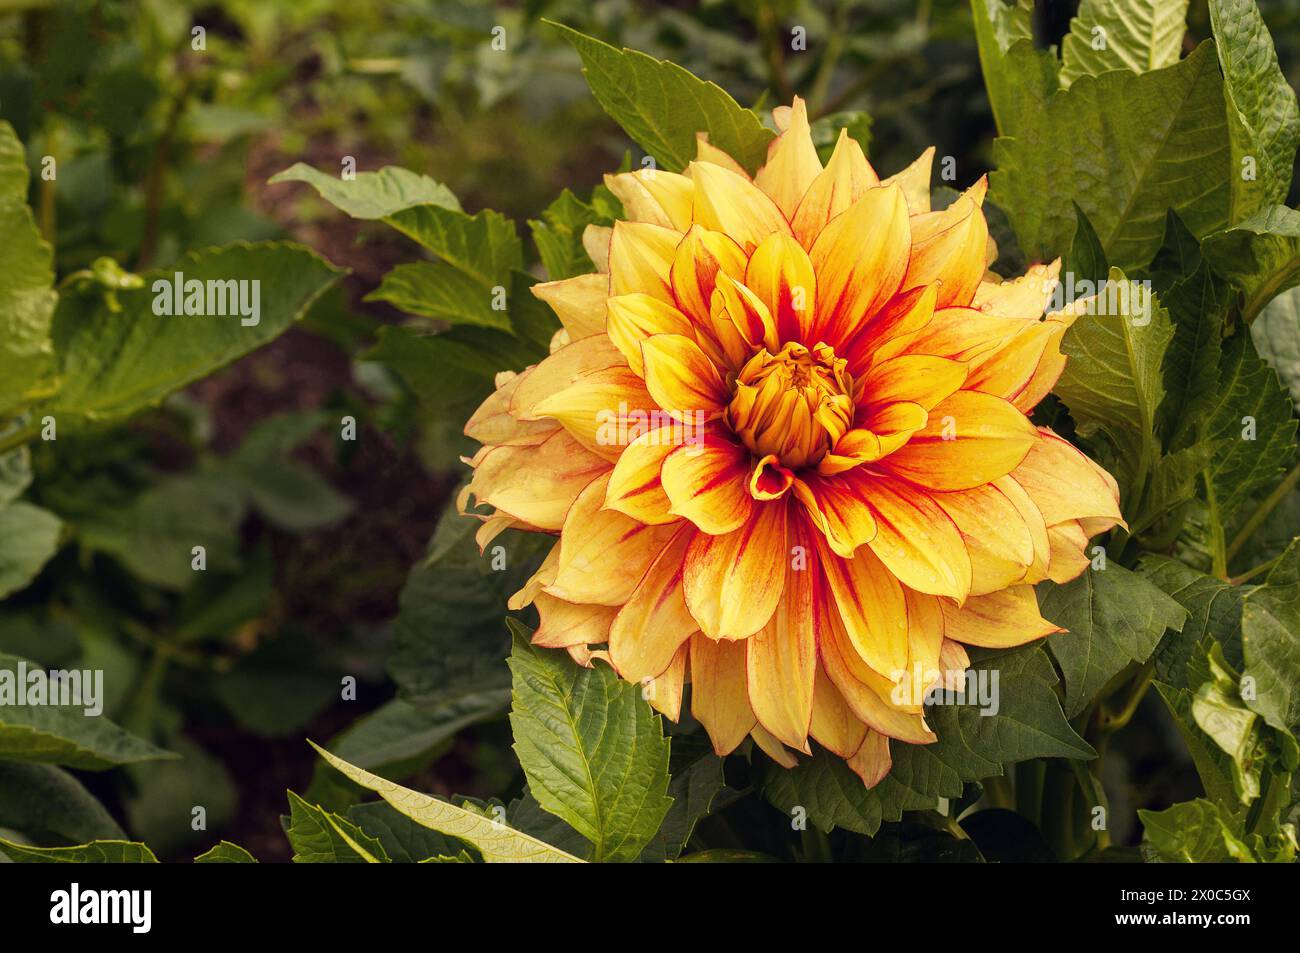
(1113, 617)
(1194, 832)
(483, 247)
(277, 689)
(1276, 333)
(825, 131)
(27, 300)
(437, 290)
(1270, 622)
(45, 802)
(558, 236)
(1263, 118)
(225, 852)
(1020, 79)
(319, 837)
(591, 747)
(1179, 255)
(15, 471)
(662, 106)
(1087, 259)
(1198, 306)
(372, 195)
(95, 852)
(1213, 766)
(1252, 426)
(1028, 724)
(1124, 147)
(196, 778)
(61, 734)
(1213, 610)
(1112, 382)
(113, 364)
(1136, 35)
(496, 842)
(1260, 256)
(403, 840)
(692, 790)
(29, 537)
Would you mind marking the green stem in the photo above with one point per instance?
(1096, 793)
(1058, 811)
(1218, 553)
(1263, 511)
(1250, 574)
(1111, 721)
(1029, 790)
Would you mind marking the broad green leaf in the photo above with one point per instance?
(372, 195)
(1136, 35)
(1263, 118)
(1028, 724)
(95, 852)
(1270, 623)
(1276, 333)
(46, 802)
(196, 778)
(1260, 256)
(693, 789)
(29, 536)
(1087, 259)
(558, 236)
(662, 106)
(1252, 426)
(525, 814)
(496, 842)
(1194, 832)
(1112, 383)
(1198, 305)
(1213, 609)
(278, 688)
(225, 852)
(591, 747)
(483, 247)
(27, 300)
(319, 837)
(60, 734)
(1113, 617)
(1124, 147)
(434, 289)
(1179, 255)
(402, 839)
(1221, 713)
(1019, 78)
(1213, 766)
(113, 364)
(399, 736)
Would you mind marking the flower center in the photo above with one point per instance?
(794, 404)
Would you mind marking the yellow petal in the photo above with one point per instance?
(566, 624)
(720, 692)
(917, 541)
(603, 554)
(493, 423)
(998, 620)
(653, 624)
(892, 329)
(872, 607)
(729, 203)
(918, 378)
(589, 408)
(873, 761)
(708, 484)
(536, 484)
(970, 439)
(641, 258)
(859, 258)
(772, 747)
(1000, 545)
(1068, 559)
(681, 378)
(792, 162)
(705, 151)
(1063, 483)
(781, 274)
(696, 263)
(654, 197)
(734, 582)
(634, 317)
(845, 180)
(595, 242)
(738, 323)
(948, 247)
(781, 662)
(578, 302)
(635, 488)
(664, 691)
(834, 725)
(834, 506)
(915, 182)
(562, 369)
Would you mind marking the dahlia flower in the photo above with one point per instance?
(782, 441)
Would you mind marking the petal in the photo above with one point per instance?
(562, 369)
(1000, 545)
(729, 203)
(1024, 297)
(834, 724)
(918, 378)
(652, 625)
(681, 378)
(970, 439)
(635, 317)
(792, 162)
(1032, 517)
(873, 608)
(565, 624)
(720, 692)
(656, 197)
(641, 258)
(769, 480)
(578, 302)
(603, 554)
(696, 263)
(835, 508)
(915, 182)
(917, 540)
(493, 423)
(998, 620)
(1068, 543)
(859, 258)
(595, 242)
(734, 582)
(1063, 483)
(536, 484)
(738, 323)
(891, 330)
(635, 488)
(964, 334)
(948, 247)
(873, 761)
(781, 274)
(591, 408)
(781, 663)
(708, 484)
(772, 747)
(664, 691)
(846, 178)
(705, 151)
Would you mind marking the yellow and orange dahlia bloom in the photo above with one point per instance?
(782, 440)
